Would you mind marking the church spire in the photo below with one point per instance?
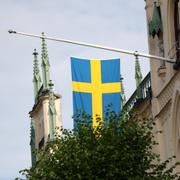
(36, 75)
(138, 74)
(45, 64)
(138, 77)
(52, 111)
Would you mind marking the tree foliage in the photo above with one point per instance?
(120, 149)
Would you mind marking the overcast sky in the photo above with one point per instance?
(115, 23)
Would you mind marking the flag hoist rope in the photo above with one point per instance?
(135, 53)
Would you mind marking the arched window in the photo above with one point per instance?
(177, 29)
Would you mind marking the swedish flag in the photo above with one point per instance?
(95, 84)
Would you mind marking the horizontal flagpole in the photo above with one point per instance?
(135, 53)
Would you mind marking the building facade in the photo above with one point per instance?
(158, 95)
(163, 19)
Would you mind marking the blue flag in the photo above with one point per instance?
(95, 84)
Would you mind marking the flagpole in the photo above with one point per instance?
(134, 53)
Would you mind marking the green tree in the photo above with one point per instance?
(120, 149)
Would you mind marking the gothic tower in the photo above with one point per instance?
(45, 114)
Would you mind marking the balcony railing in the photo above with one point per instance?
(141, 93)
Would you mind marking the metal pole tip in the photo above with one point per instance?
(11, 31)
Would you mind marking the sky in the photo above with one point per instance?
(112, 23)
